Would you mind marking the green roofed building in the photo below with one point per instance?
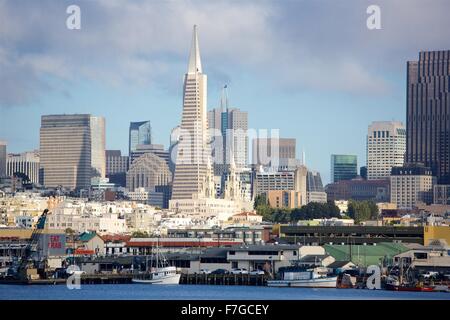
(366, 255)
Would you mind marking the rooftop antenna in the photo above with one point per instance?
(303, 157)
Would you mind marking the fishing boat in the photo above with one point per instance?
(304, 278)
(160, 272)
(393, 283)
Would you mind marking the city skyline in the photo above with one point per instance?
(373, 87)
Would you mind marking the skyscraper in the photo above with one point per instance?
(140, 133)
(26, 163)
(72, 150)
(343, 167)
(2, 158)
(428, 113)
(275, 152)
(231, 126)
(386, 146)
(191, 169)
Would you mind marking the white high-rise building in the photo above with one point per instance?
(194, 186)
(26, 163)
(193, 154)
(386, 147)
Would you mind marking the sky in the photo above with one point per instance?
(311, 69)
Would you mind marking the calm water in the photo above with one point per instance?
(200, 292)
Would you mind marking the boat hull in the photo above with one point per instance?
(405, 288)
(170, 279)
(307, 283)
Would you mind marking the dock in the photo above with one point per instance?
(224, 279)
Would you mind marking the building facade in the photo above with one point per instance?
(343, 167)
(359, 189)
(115, 162)
(284, 199)
(72, 150)
(156, 149)
(386, 147)
(283, 181)
(411, 186)
(314, 188)
(274, 152)
(26, 163)
(228, 129)
(441, 194)
(428, 113)
(147, 172)
(193, 151)
(140, 133)
(2, 158)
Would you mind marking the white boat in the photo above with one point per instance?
(309, 278)
(167, 275)
(161, 273)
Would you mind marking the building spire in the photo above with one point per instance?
(195, 64)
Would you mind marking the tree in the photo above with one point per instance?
(140, 234)
(373, 209)
(260, 200)
(360, 210)
(315, 210)
(69, 231)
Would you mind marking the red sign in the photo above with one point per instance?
(55, 242)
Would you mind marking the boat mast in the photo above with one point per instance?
(157, 251)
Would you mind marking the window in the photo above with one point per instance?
(420, 255)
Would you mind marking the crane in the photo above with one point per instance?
(26, 261)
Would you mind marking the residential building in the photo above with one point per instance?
(428, 113)
(386, 147)
(72, 150)
(343, 167)
(411, 185)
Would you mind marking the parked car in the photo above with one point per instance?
(239, 271)
(205, 271)
(220, 271)
(257, 273)
(430, 274)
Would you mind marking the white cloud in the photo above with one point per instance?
(319, 45)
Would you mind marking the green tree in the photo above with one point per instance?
(373, 209)
(260, 200)
(140, 234)
(359, 210)
(315, 210)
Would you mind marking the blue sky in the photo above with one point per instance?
(309, 68)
